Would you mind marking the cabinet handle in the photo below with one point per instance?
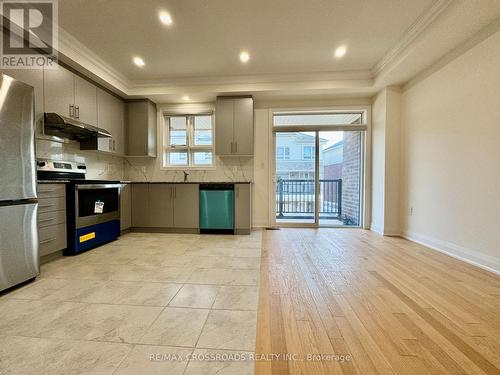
(71, 110)
(114, 145)
(232, 147)
(175, 191)
(77, 112)
(45, 205)
(235, 147)
(237, 191)
(48, 240)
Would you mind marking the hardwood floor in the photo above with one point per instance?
(382, 305)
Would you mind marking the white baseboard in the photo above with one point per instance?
(377, 229)
(384, 231)
(483, 261)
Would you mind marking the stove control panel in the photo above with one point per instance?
(44, 165)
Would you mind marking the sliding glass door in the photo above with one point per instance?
(319, 174)
(295, 177)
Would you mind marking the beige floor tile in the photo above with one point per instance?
(237, 298)
(225, 363)
(72, 320)
(100, 322)
(234, 330)
(154, 360)
(117, 292)
(33, 356)
(176, 327)
(224, 276)
(38, 289)
(201, 296)
(233, 251)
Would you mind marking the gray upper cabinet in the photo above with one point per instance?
(70, 95)
(234, 126)
(85, 101)
(32, 77)
(186, 206)
(59, 91)
(111, 117)
(243, 208)
(141, 128)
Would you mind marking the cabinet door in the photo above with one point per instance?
(243, 206)
(151, 130)
(85, 101)
(186, 206)
(59, 91)
(243, 126)
(161, 213)
(32, 77)
(137, 128)
(125, 207)
(119, 126)
(140, 205)
(224, 127)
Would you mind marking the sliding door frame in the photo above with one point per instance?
(365, 178)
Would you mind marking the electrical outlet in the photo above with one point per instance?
(411, 211)
(143, 169)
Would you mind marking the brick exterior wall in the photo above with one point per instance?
(351, 175)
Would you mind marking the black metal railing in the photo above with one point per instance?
(295, 199)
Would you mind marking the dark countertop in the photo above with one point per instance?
(189, 182)
(156, 182)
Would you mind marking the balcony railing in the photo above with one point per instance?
(295, 199)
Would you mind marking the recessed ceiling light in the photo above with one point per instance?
(139, 61)
(244, 56)
(185, 98)
(340, 52)
(166, 18)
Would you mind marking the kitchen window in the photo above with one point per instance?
(188, 141)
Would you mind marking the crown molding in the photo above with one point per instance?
(411, 34)
(76, 52)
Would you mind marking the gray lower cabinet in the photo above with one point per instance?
(140, 205)
(186, 206)
(165, 206)
(51, 218)
(161, 207)
(243, 208)
(125, 207)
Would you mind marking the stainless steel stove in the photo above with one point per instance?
(93, 206)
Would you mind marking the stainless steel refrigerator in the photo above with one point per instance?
(19, 259)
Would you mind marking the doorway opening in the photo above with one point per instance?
(319, 174)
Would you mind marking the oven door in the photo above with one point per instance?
(96, 204)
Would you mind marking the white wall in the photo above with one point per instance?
(386, 123)
(378, 162)
(451, 157)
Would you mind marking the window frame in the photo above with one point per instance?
(190, 148)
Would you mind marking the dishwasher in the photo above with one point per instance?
(217, 208)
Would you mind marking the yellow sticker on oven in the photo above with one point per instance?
(87, 237)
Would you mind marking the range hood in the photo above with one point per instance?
(65, 127)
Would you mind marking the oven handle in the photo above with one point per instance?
(97, 186)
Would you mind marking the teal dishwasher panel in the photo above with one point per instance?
(216, 209)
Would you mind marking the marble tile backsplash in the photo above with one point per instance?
(226, 170)
(100, 166)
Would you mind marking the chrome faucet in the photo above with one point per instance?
(185, 176)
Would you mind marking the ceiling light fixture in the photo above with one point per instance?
(166, 18)
(139, 62)
(244, 56)
(340, 52)
(185, 98)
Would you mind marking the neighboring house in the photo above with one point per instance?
(295, 156)
(333, 157)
